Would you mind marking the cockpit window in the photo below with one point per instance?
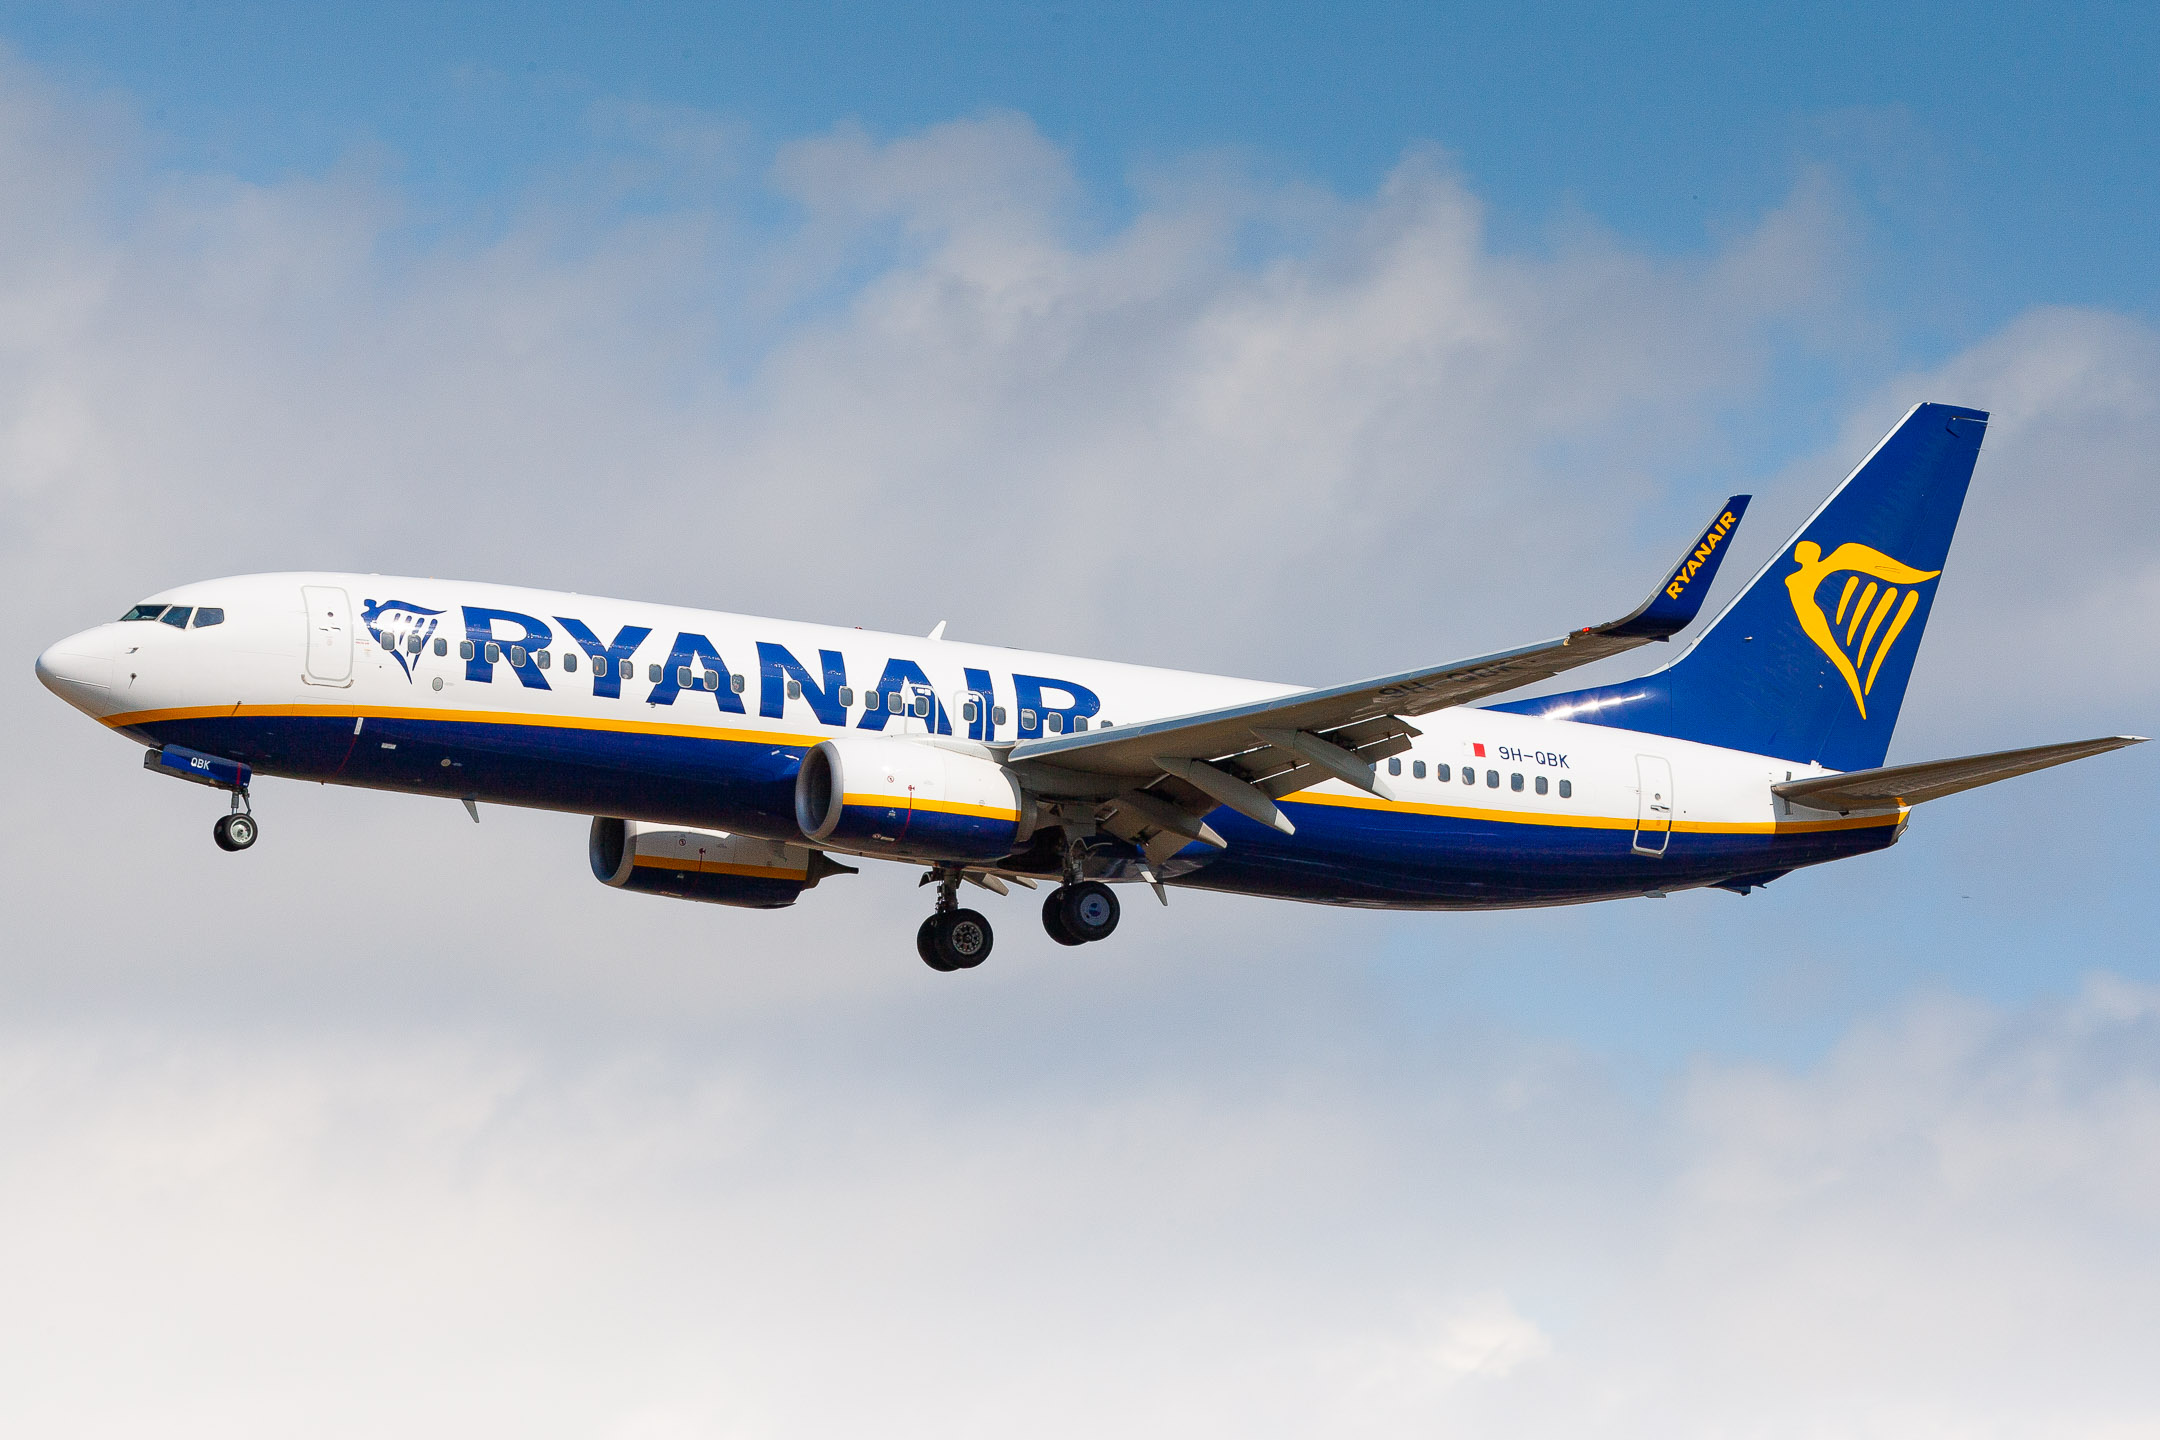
(209, 615)
(177, 617)
(143, 612)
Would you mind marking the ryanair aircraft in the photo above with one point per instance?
(729, 759)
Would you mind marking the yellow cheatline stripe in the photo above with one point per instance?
(714, 867)
(943, 807)
(468, 717)
(1589, 822)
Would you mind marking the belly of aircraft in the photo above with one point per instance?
(1342, 854)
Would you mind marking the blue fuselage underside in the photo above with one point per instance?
(1341, 854)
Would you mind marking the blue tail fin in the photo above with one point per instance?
(1809, 664)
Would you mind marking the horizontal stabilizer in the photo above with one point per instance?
(1933, 779)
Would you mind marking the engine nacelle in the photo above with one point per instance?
(709, 865)
(908, 798)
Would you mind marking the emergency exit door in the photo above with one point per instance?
(1654, 805)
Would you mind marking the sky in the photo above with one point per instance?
(1259, 341)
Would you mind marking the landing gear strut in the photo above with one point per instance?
(237, 830)
(953, 938)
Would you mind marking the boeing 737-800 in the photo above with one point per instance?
(728, 758)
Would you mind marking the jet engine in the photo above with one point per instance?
(908, 798)
(709, 865)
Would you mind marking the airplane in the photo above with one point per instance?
(729, 758)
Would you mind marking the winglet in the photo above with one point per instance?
(1679, 600)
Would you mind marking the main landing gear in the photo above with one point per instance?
(237, 830)
(1076, 914)
(953, 938)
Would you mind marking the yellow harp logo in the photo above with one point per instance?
(1855, 636)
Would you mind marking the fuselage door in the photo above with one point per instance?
(1654, 807)
(329, 635)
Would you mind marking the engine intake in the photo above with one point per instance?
(907, 798)
(708, 865)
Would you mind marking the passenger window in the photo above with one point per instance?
(1492, 779)
(1541, 784)
(569, 662)
(1514, 782)
(177, 616)
(517, 657)
(1417, 769)
(1079, 722)
(1567, 789)
(922, 707)
(1054, 722)
(847, 696)
(544, 658)
(997, 715)
(415, 643)
(970, 711)
(1442, 772)
(870, 700)
(712, 680)
(1469, 776)
(629, 671)
(144, 612)
(682, 677)
(442, 646)
(1027, 719)
(652, 673)
(896, 703)
(794, 689)
(207, 616)
(465, 650)
(494, 653)
(1394, 767)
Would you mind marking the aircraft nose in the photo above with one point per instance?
(79, 669)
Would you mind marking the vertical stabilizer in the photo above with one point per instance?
(1810, 662)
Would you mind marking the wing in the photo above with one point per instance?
(1933, 779)
(1160, 772)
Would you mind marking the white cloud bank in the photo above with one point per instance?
(1945, 1228)
(510, 1153)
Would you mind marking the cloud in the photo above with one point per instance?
(944, 355)
(1943, 1226)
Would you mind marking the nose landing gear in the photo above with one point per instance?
(237, 830)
